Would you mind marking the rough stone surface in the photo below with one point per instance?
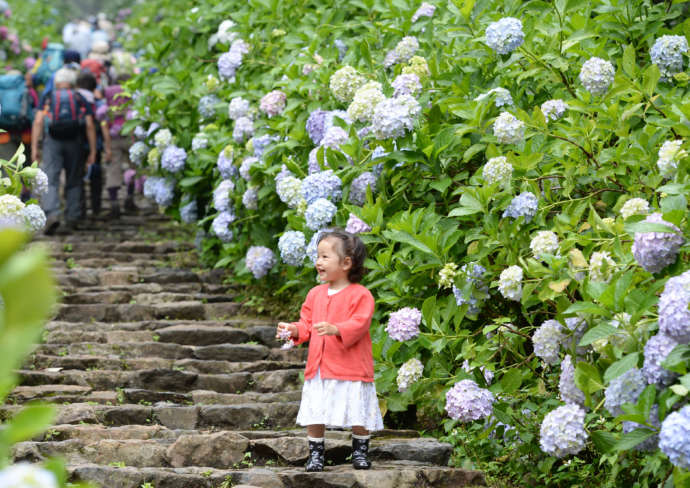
(220, 450)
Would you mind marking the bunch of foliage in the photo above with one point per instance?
(518, 171)
(23, 26)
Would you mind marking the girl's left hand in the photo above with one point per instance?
(324, 328)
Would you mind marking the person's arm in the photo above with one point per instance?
(91, 137)
(107, 142)
(357, 325)
(36, 133)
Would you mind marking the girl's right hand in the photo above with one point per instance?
(283, 326)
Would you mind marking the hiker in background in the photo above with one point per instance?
(18, 100)
(62, 120)
(71, 59)
(114, 171)
(51, 60)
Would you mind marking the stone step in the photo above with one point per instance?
(124, 275)
(189, 310)
(129, 297)
(252, 325)
(126, 247)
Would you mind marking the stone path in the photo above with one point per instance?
(160, 380)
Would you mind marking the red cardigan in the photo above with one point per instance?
(345, 357)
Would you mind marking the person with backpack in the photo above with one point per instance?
(64, 119)
(114, 177)
(18, 100)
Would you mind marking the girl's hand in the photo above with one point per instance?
(292, 328)
(324, 328)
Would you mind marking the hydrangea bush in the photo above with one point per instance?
(543, 143)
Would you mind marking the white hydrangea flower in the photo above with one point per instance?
(553, 109)
(505, 36)
(601, 267)
(25, 475)
(508, 129)
(502, 97)
(597, 75)
(545, 242)
(670, 155)
(447, 275)
(410, 372)
(365, 100)
(510, 283)
(498, 170)
(345, 82)
(238, 107)
(634, 206)
(162, 139)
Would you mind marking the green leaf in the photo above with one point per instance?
(29, 422)
(585, 307)
(621, 366)
(467, 7)
(633, 227)
(599, 332)
(629, 65)
(676, 360)
(587, 378)
(650, 78)
(190, 181)
(604, 441)
(468, 205)
(511, 381)
(631, 439)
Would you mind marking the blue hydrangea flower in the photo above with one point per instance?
(674, 437)
(207, 106)
(394, 117)
(505, 36)
(319, 213)
(406, 84)
(424, 10)
(261, 143)
(165, 192)
(473, 288)
(562, 432)
(250, 198)
(220, 225)
(656, 350)
(626, 388)
(34, 217)
(259, 261)
(244, 129)
(324, 184)
(173, 158)
(341, 47)
(315, 125)
(137, 152)
(674, 311)
(569, 392)
(656, 250)
(404, 324)
(547, 340)
(292, 246)
(358, 188)
(667, 53)
(221, 195)
(553, 109)
(524, 205)
(225, 163)
(189, 213)
(466, 401)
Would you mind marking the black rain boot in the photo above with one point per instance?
(360, 450)
(316, 456)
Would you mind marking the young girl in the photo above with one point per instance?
(339, 386)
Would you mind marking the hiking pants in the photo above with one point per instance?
(64, 154)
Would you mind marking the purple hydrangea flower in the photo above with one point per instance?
(247, 163)
(319, 213)
(656, 250)
(173, 158)
(261, 144)
(524, 205)
(626, 388)
(244, 129)
(324, 184)
(315, 125)
(292, 246)
(225, 163)
(656, 350)
(473, 289)
(424, 10)
(165, 192)
(355, 225)
(466, 401)
(569, 392)
(563, 431)
(674, 437)
(406, 84)
(674, 314)
(404, 324)
(260, 260)
(358, 188)
(393, 117)
(220, 225)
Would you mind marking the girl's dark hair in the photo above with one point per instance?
(350, 245)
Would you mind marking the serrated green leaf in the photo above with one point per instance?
(621, 366)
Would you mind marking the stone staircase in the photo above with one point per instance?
(161, 381)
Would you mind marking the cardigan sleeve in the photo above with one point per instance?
(357, 325)
(305, 319)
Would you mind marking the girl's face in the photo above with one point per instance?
(330, 266)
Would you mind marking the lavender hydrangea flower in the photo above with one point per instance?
(466, 401)
(312, 247)
(246, 165)
(39, 183)
(651, 443)
(292, 246)
(597, 75)
(406, 84)
(237, 108)
(508, 129)
(250, 198)
(319, 213)
(207, 106)
(667, 53)
(674, 437)
(316, 125)
(358, 188)
(524, 205)
(510, 283)
(25, 475)
(553, 109)
(260, 144)
(324, 184)
(189, 212)
(393, 117)
(656, 250)
(569, 392)
(626, 388)
(289, 191)
(355, 225)
(674, 308)
(671, 154)
(656, 350)
(221, 195)
(634, 206)
(225, 163)
(545, 242)
(149, 188)
(424, 10)
(137, 152)
(505, 36)
(165, 192)
(498, 170)
(273, 103)
(316, 162)
(473, 288)
(173, 159)
(410, 372)
(139, 132)
(230, 61)
(547, 341)
(345, 82)
(259, 261)
(563, 431)
(403, 324)
(334, 137)
(34, 217)
(244, 129)
(501, 97)
(220, 225)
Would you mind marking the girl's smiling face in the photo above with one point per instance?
(332, 268)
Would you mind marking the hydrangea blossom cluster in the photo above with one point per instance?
(189, 212)
(289, 191)
(11, 211)
(231, 60)
(137, 152)
(355, 225)
(674, 311)
(292, 247)
(651, 443)
(334, 137)
(25, 475)
(501, 96)
(510, 283)
(466, 401)
(244, 129)
(424, 10)
(165, 192)
(221, 195)
(320, 121)
(162, 139)
(417, 66)
(224, 35)
(39, 183)
(597, 75)
(634, 206)
(345, 82)
(670, 155)
(358, 188)
(34, 217)
(207, 106)
(404, 324)
(393, 117)
(656, 350)
(545, 242)
(446, 276)
(139, 132)
(406, 84)
(247, 163)
(273, 103)
(312, 247)
(667, 53)
(225, 162)
(173, 158)
(365, 100)
(402, 52)
(410, 372)
(547, 341)
(341, 47)
(319, 213)
(505, 36)
(508, 129)
(153, 157)
(498, 170)
(324, 184)
(473, 289)
(524, 205)
(250, 198)
(149, 188)
(221, 223)
(259, 144)
(563, 431)
(656, 250)
(576, 328)
(601, 266)
(674, 437)
(553, 109)
(238, 107)
(569, 392)
(626, 388)
(260, 260)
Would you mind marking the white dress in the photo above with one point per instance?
(339, 403)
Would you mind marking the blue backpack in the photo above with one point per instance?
(52, 59)
(15, 108)
(66, 116)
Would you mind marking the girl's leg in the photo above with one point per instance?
(360, 447)
(315, 436)
(316, 431)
